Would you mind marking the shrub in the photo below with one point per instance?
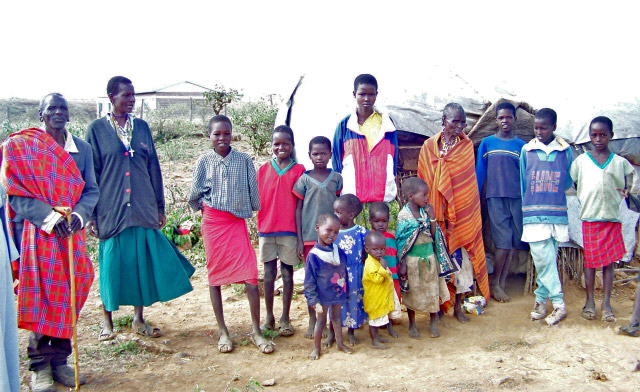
(255, 120)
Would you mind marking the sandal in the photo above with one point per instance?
(588, 314)
(632, 330)
(285, 330)
(608, 317)
(106, 334)
(225, 345)
(263, 345)
(149, 331)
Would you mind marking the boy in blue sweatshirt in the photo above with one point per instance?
(499, 155)
(544, 177)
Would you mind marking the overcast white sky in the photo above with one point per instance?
(538, 48)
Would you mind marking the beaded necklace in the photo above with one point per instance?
(125, 133)
(446, 146)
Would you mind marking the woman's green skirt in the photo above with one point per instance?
(140, 267)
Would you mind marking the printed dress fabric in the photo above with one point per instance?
(426, 289)
(351, 241)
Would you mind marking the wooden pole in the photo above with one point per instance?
(66, 211)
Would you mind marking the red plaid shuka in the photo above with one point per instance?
(603, 243)
(35, 165)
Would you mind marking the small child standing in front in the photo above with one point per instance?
(225, 189)
(602, 178)
(316, 191)
(498, 160)
(544, 177)
(325, 282)
(415, 236)
(379, 221)
(378, 287)
(277, 224)
(351, 241)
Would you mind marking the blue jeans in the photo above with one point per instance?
(545, 260)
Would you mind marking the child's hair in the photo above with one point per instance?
(217, 119)
(603, 120)
(114, 84)
(288, 131)
(374, 234)
(320, 140)
(547, 114)
(324, 218)
(353, 204)
(365, 79)
(378, 207)
(284, 129)
(411, 185)
(506, 105)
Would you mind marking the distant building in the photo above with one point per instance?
(182, 99)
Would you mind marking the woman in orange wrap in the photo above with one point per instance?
(447, 164)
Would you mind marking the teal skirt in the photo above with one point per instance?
(140, 267)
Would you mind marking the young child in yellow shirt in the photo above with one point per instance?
(378, 287)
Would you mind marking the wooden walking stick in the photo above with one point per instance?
(66, 211)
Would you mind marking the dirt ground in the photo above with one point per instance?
(497, 350)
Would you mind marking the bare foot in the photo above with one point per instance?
(329, 340)
(352, 339)
(498, 294)
(315, 354)
(433, 326)
(392, 332)
(459, 314)
(309, 333)
(376, 343)
(413, 332)
(344, 349)
(382, 340)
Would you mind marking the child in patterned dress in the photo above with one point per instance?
(351, 241)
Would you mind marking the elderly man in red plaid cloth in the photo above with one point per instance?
(42, 170)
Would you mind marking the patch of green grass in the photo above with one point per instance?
(119, 323)
(269, 334)
(517, 344)
(243, 342)
(173, 150)
(295, 295)
(129, 347)
(198, 389)
(238, 288)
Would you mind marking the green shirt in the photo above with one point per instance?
(599, 199)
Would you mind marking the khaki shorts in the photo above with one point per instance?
(283, 247)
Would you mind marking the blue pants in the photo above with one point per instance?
(545, 260)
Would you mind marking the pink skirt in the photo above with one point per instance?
(603, 243)
(230, 256)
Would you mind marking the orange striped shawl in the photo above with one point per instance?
(454, 195)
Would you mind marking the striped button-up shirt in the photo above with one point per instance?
(225, 183)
